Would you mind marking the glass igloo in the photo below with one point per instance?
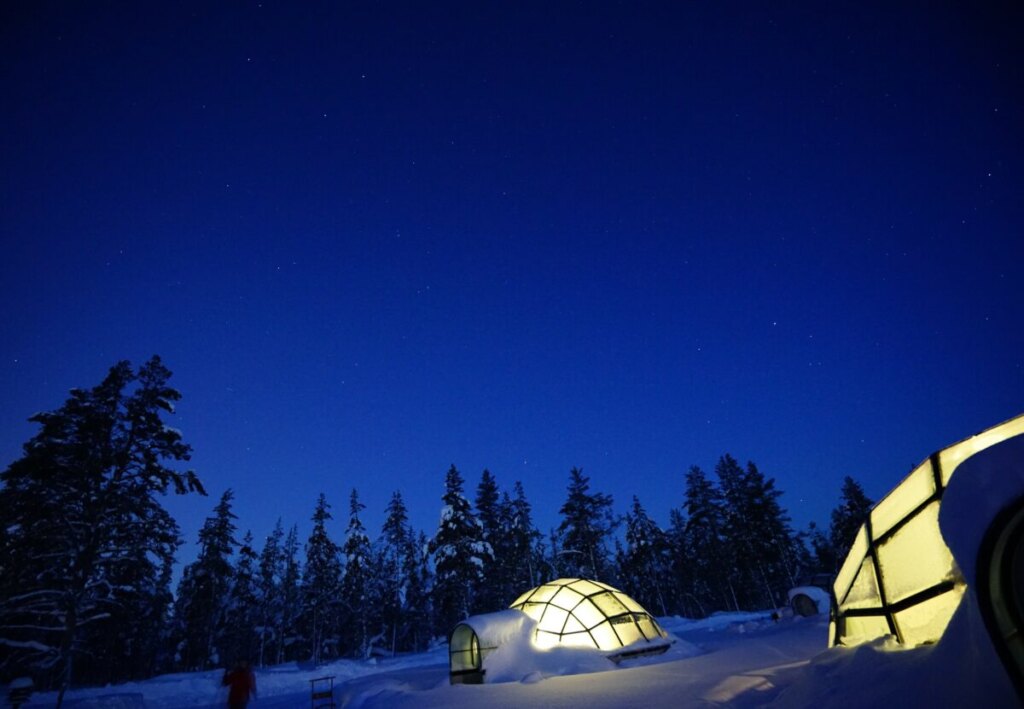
(583, 613)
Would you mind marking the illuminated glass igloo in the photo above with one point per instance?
(582, 613)
(900, 577)
(568, 612)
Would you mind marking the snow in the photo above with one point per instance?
(722, 656)
(742, 660)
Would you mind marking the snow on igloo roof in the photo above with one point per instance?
(583, 613)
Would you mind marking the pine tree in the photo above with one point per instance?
(401, 585)
(320, 585)
(524, 546)
(847, 518)
(419, 593)
(489, 511)
(202, 600)
(710, 558)
(681, 596)
(242, 641)
(644, 562)
(129, 645)
(289, 633)
(825, 557)
(269, 592)
(81, 514)
(587, 522)
(758, 532)
(460, 554)
(359, 613)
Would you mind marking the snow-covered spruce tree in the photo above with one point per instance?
(824, 555)
(288, 633)
(321, 579)
(419, 603)
(711, 558)
(492, 594)
(644, 562)
(401, 586)
(132, 643)
(587, 524)
(242, 617)
(84, 531)
(359, 612)
(523, 553)
(460, 555)
(758, 533)
(847, 518)
(681, 598)
(200, 610)
(268, 595)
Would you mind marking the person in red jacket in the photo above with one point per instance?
(241, 683)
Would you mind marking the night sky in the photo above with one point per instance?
(375, 239)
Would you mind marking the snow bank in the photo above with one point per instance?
(716, 622)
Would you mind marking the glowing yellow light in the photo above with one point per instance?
(900, 576)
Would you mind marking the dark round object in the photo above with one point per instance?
(804, 606)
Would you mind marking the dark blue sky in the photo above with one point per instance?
(375, 239)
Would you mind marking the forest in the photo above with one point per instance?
(87, 553)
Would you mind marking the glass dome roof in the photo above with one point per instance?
(582, 613)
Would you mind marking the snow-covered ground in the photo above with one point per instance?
(739, 660)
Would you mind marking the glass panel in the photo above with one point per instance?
(915, 558)
(587, 614)
(553, 620)
(605, 638)
(572, 625)
(864, 592)
(926, 621)
(583, 639)
(566, 598)
(862, 629)
(910, 493)
(534, 610)
(464, 653)
(649, 628)
(956, 454)
(628, 602)
(608, 604)
(544, 593)
(628, 632)
(522, 599)
(545, 640)
(858, 551)
(585, 587)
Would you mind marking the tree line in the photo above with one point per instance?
(87, 552)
